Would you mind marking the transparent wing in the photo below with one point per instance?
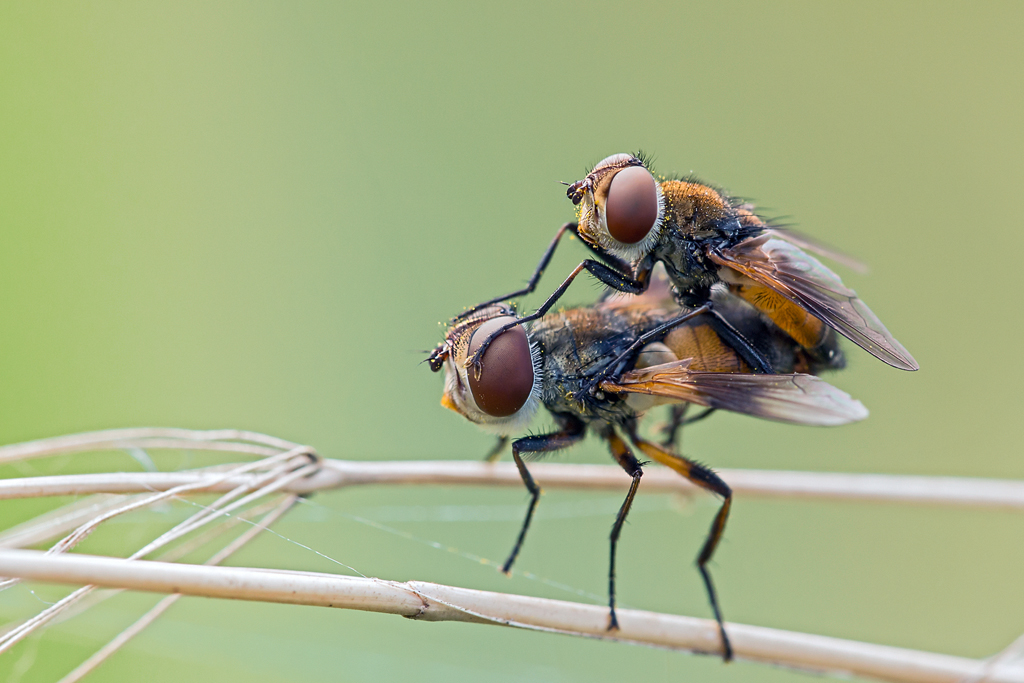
(797, 398)
(808, 243)
(800, 278)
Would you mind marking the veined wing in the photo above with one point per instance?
(800, 278)
(808, 243)
(797, 398)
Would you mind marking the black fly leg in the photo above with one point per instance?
(534, 279)
(613, 278)
(705, 478)
(572, 432)
(699, 416)
(496, 449)
(626, 459)
(741, 344)
(611, 260)
(613, 367)
(731, 334)
(676, 417)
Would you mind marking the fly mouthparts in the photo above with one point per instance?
(436, 358)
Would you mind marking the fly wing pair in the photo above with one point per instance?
(788, 270)
(796, 398)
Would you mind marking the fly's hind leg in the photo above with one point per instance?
(626, 459)
(572, 431)
(496, 449)
(676, 420)
(670, 429)
(705, 478)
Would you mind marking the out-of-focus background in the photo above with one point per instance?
(255, 216)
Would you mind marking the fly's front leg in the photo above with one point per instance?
(705, 478)
(496, 449)
(621, 281)
(534, 279)
(571, 433)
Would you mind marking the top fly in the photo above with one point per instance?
(631, 222)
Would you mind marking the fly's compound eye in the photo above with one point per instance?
(632, 205)
(505, 380)
(617, 160)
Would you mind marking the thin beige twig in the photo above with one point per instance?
(173, 555)
(957, 491)
(281, 459)
(434, 602)
(59, 521)
(117, 439)
(206, 515)
(153, 614)
(1012, 651)
(950, 491)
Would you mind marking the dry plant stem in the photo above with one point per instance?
(204, 516)
(220, 510)
(59, 521)
(433, 602)
(339, 473)
(83, 531)
(1012, 651)
(173, 555)
(953, 491)
(48, 526)
(290, 459)
(155, 444)
(749, 483)
(116, 439)
(153, 614)
(18, 633)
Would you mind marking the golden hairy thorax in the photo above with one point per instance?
(705, 347)
(800, 325)
(692, 204)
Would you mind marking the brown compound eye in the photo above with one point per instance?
(632, 205)
(506, 379)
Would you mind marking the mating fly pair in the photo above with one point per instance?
(640, 356)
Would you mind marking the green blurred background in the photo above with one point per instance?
(254, 216)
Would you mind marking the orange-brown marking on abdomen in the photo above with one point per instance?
(804, 328)
(706, 348)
